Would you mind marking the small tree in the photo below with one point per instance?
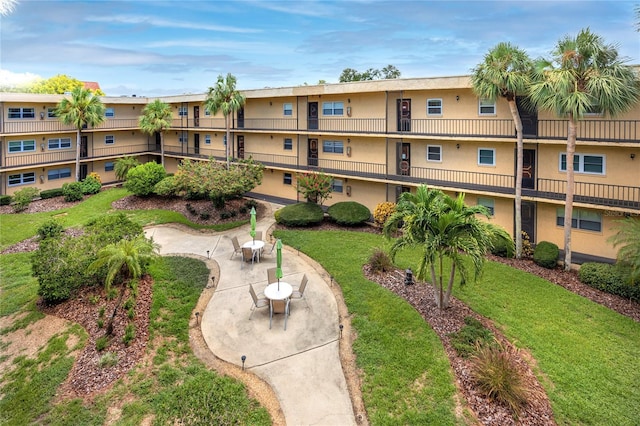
(156, 118)
(627, 237)
(123, 165)
(315, 187)
(141, 179)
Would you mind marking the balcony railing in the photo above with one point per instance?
(203, 122)
(591, 193)
(478, 127)
(352, 125)
(352, 168)
(460, 179)
(270, 124)
(48, 126)
(277, 160)
(592, 130)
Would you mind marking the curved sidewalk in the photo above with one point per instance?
(302, 364)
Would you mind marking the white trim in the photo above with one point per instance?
(441, 107)
(493, 150)
(485, 103)
(439, 153)
(580, 168)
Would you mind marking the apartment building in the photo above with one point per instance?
(377, 139)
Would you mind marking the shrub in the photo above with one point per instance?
(546, 254)
(143, 178)
(91, 184)
(5, 200)
(51, 193)
(382, 212)
(471, 337)
(50, 229)
(129, 334)
(123, 165)
(349, 213)
(502, 248)
(72, 191)
(166, 187)
(315, 187)
(111, 228)
(101, 312)
(109, 359)
(102, 343)
(219, 201)
(527, 248)
(608, 278)
(205, 216)
(251, 204)
(100, 322)
(22, 198)
(300, 214)
(497, 376)
(379, 261)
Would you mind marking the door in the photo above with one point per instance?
(84, 147)
(529, 220)
(312, 159)
(196, 116)
(241, 147)
(158, 141)
(404, 115)
(400, 190)
(529, 168)
(196, 143)
(83, 172)
(312, 116)
(403, 161)
(241, 118)
(529, 117)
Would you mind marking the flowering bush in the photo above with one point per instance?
(383, 211)
(315, 187)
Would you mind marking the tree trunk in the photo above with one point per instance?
(109, 330)
(447, 295)
(162, 147)
(519, 158)
(78, 138)
(226, 124)
(568, 205)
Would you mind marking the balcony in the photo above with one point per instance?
(287, 124)
(51, 126)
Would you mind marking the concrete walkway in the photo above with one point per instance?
(301, 364)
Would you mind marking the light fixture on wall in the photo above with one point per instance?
(348, 188)
(457, 146)
(41, 115)
(632, 155)
(348, 100)
(42, 147)
(457, 98)
(41, 178)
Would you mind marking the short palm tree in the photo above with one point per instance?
(156, 118)
(627, 236)
(125, 260)
(224, 97)
(443, 227)
(506, 73)
(583, 73)
(82, 110)
(123, 165)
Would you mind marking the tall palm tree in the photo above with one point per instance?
(224, 97)
(583, 73)
(82, 110)
(443, 227)
(156, 118)
(126, 260)
(506, 72)
(627, 236)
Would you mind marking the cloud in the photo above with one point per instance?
(15, 79)
(167, 23)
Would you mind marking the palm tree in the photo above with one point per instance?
(224, 97)
(123, 165)
(82, 110)
(506, 73)
(583, 73)
(443, 227)
(126, 260)
(156, 118)
(628, 237)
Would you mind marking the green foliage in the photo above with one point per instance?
(101, 343)
(471, 337)
(386, 73)
(503, 248)
(315, 187)
(123, 165)
(5, 200)
(379, 261)
(111, 228)
(72, 191)
(129, 334)
(108, 359)
(349, 213)
(608, 278)
(59, 84)
(91, 184)
(23, 197)
(300, 214)
(495, 371)
(166, 187)
(546, 254)
(51, 193)
(382, 212)
(141, 179)
(627, 238)
(50, 229)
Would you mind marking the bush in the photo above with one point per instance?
(111, 228)
(129, 334)
(349, 213)
(102, 343)
(166, 187)
(91, 184)
(50, 229)
(502, 248)
(379, 261)
(382, 212)
(143, 178)
(123, 165)
(51, 193)
(72, 191)
(546, 254)
(22, 198)
(471, 337)
(109, 359)
(5, 200)
(608, 278)
(300, 214)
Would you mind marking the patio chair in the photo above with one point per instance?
(258, 302)
(299, 292)
(279, 307)
(248, 255)
(259, 235)
(271, 276)
(236, 247)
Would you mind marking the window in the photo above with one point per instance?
(288, 179)
(287, 109)
(434, 153)
(207, 139)
(54, 174)
(184, 137)
(22, 113)
(581, 219)
(434, 106)
(332, 108)
(109, 112)
(207, 112)
(594, 110)
(109, 166)
(489, 203)
(336, 147)
(182, 111)
(486, 107)
(288, 144)
(21, 179)
(585, 163)
(486, 157)
(109, 140)
(336, 185)
(60, 143)
(22, 146)
(51, 113)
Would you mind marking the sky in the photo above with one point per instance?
(155, 48)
